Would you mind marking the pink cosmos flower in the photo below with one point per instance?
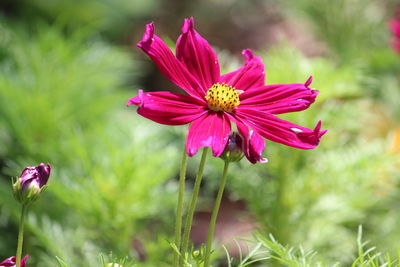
(394, 25)
(11, 262)
(213, 100)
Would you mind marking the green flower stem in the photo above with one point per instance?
(178, 221)
(21, 235)
(214, 215)
(195, 194)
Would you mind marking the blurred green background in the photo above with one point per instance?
(67, 68)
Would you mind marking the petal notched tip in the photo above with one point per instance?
(318, 126)
(188, 25)
(311, 137)
(248, 55)
(137, 100)
(148, 37)
(310, 98)
(317, 130)
(308, 82)
(312, 92)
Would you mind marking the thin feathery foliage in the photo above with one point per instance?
(267, 251)
(72, 115)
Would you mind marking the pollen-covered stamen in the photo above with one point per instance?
(222, 97)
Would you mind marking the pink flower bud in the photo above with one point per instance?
(31, 183)
(35, 176)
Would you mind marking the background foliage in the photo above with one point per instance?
(67, 69)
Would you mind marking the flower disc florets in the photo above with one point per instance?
(222, 97)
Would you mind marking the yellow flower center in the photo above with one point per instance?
(221, 97)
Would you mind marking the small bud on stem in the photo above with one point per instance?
(234, 148)
(28, 187)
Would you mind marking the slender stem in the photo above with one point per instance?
(20, 235)
(214, 215)
(178, 221)
(195, 194)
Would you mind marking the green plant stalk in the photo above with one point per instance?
(20, 235)
(214, 215)
(195, 194)
(179, 209)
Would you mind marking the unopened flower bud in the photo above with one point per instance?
(234, 148)
(31, 183)
(113, 265)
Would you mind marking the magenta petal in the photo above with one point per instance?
(256, 147)
(394, 25)
(250, 75)
(167, 63)
(279, 98)
(253, 144)
(281, 131)
(11, 261)
(168, 108)
(197, 55)
(210, 130)
(8, 262)
(23, 260)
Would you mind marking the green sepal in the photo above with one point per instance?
(232, 156)
(28, 196)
